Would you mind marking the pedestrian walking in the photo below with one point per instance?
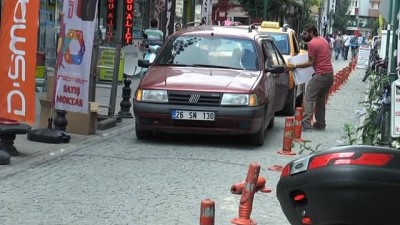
(317, 89)
(338, 45)
(346, 46)
(354, 46)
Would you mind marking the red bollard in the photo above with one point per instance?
(335, 82)
(288, 137)
(298, 118)
(339, 79)
(246, 201)
(207, 212)
(238, 187)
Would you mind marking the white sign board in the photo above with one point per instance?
(395, 106)
(363, 56)
(301, 75)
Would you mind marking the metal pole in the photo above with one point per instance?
(393, 43)
(118, 43)
(388, 29)
(265, 9)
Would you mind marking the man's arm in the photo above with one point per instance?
(309, 63)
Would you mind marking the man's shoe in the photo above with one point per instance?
(316, 127)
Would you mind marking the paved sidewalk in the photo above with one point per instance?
(343, 107)
(35, 151)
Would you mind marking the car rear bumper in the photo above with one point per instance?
(228, 120)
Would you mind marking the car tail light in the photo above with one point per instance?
(347, 158)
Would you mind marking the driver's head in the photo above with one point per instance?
(154, 23)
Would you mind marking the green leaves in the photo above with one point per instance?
(340, 16)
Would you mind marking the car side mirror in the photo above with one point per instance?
(275, 69)
(143, 63)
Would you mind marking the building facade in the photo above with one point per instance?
(363, 13)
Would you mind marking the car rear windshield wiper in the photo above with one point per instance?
(215, 66)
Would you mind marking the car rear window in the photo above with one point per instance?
(281, 41)
(210, 51)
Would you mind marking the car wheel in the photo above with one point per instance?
(258, 138)
(142, 134)
(290, 107)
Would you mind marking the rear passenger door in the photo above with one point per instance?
(274, 58)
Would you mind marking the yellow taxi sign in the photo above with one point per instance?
(270, 24)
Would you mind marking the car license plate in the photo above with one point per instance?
(192, 115)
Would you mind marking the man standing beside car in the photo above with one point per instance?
(319, 57)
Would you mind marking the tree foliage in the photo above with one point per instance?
(275, 8)
(340, 16)
(255, 8)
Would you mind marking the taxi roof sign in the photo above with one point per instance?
(270, 24)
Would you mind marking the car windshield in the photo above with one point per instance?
(281, 41)
(218, 52)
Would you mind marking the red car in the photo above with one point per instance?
(212, 80)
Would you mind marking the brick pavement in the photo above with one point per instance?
(112, 178)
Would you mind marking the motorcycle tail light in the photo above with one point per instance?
(349, 158)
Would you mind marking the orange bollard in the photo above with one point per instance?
(238, 187)
(298, 118)
(207, 212)
(246, 201)
(334, 85)
(288, 137)
(339, 79)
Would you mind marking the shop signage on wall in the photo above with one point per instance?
(110, 18)
(128, 22)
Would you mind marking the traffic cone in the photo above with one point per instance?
(207, 212)
(298, 118)
(288, 137)
(246, 201)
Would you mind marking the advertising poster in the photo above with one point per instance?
(395, 107)
(74, 55)
(363, 56)
(206, 12)
(18, 60)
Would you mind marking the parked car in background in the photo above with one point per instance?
(212, 80)
(286, 40)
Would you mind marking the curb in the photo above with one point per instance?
(59, 150)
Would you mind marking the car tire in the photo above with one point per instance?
(257, 139)
(142, 134)
(290, 107)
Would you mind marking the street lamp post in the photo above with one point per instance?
(265, 9)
